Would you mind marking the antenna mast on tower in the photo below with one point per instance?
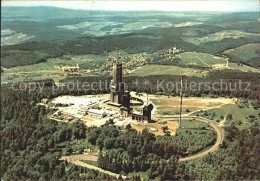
(147, 99)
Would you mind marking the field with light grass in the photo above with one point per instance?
(241, 115)
(166, 70)
(202, 59)
(169, 106)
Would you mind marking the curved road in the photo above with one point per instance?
(220, 138)
(75, 159)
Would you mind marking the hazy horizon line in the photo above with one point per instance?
(168, 6)
(226, 11)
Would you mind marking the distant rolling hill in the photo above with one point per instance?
(249, 54)
(54, 32)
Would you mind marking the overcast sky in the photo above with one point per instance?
(167, 5)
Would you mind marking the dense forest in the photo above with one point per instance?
(31, 146)
(204, 86)
(229, 163)
(21, 58)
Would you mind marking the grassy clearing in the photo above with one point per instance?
(215, 62)
(166, 70)
(50, 68)
(194, 124)
(165, 105)
(243, 114)
(243, 117)
(201, 59)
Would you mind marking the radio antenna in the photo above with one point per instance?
(181, 94)
(147, 99)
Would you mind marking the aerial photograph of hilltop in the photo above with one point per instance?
(130, 90)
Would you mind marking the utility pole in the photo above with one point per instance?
(181, 94)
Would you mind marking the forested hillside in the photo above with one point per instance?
(31, 146)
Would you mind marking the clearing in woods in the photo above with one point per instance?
(169, 106)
